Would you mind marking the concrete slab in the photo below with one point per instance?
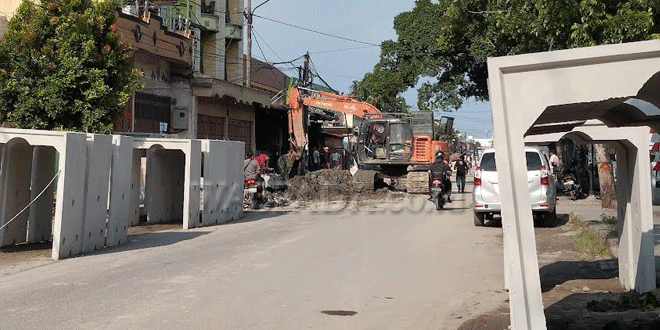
(99, 159)
(44, 168)
(120, 210)
(223, 181)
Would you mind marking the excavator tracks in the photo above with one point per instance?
(415, 182)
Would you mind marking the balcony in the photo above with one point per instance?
(234, 31)
(153, 37)
(209, 21)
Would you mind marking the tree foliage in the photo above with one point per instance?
(62, 66)
(442, 46)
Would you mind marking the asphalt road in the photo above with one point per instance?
(401, 269)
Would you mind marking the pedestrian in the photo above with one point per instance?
(334, 159)
(316, 159)
(554, 161)
(462, 168)
(325, 158)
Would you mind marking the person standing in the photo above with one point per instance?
(334, 159)
(325, 158)
(554, 161)
(462, 168)
(316, 159)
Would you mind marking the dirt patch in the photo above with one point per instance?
(16, 258)
(150, 228)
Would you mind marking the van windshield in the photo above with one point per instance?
(488, 161)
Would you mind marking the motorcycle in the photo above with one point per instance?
(571, 186)
(252, 194)
(438, 190)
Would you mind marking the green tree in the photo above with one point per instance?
(442, 46)
(62, 66)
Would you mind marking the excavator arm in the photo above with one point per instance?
(338, 103)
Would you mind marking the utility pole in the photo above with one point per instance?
(306, 73)
(249, 13)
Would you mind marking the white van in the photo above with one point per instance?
(486, 194)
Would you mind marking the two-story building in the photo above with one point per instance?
(201, 76)
(191, 55)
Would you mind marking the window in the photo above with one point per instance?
(533, 161)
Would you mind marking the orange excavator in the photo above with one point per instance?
(389, 149)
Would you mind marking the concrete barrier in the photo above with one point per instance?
(173, 179)
(223, 181)
(93, 183)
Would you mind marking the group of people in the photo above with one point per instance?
(325, 159)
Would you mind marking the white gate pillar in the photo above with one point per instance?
(634, 214)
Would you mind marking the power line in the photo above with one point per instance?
(273, 51)
(343, 49)
(264, 55)
(319, 32)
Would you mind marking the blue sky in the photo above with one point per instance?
(364, 20)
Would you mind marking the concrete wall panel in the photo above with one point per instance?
(67, 235)
(193, 172)
(120, 210)
(158, 191)
(216, 182)
(134, 216)
(99, 158)
(176, 177)
(15, 172)
(44, 169)
(234, 161)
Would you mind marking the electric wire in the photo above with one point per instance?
(31, 202)
(315, 31)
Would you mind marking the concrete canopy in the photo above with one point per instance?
(557, 91)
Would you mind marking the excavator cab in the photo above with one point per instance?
(385, 140)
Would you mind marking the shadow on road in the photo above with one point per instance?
(562, 271)
(569, 314)
(249, 216)
(561, 220)
(150, 240)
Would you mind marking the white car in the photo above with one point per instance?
(542, 192)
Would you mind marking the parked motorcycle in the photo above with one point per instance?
(570, 185)
(438, 190)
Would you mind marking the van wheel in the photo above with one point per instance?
(549, 218)
(479, 219)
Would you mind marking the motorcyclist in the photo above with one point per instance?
(437, 168)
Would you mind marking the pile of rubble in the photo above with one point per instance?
(321, 185)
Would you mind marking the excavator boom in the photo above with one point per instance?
(338, 103)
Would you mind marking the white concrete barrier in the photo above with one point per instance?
(173, 179)
(223, 181)
(93, 181)
(120, 209)
(95, 210)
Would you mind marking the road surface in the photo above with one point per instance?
(395, 269)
